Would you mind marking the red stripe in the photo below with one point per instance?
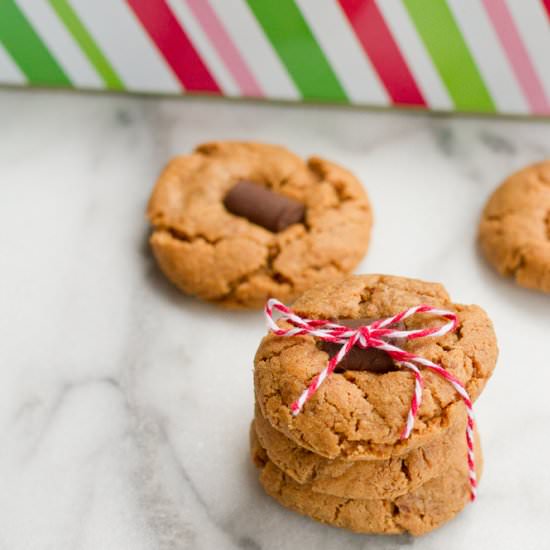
(378, 43)
(546, 4)
(163, 28)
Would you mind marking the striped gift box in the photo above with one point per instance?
(490, 56)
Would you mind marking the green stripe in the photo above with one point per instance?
(293, 41)
(26, 48)
(449, 52)
(87, 44)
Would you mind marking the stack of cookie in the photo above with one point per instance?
(342, 460)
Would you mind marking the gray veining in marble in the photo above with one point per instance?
(124, 406)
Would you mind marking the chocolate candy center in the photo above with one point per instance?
(370, 359)
(261, 206)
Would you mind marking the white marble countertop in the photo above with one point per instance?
(124, 406)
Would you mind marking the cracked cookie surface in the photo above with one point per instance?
(514, 231)
(360, 415)
(209, 252)
(417, 512)
(362, 479)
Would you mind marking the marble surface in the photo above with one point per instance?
(124, 406)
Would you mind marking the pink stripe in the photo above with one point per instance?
(225, 47)
(517, 55)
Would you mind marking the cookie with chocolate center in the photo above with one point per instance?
(236, 223)
(359, 414)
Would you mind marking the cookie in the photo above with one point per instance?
(514, 231)
(362, 479)
(360, 414)
(236, 223)
(418, 512)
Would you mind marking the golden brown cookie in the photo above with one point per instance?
(515, 227)
(362, 479)
(206, 250)
(361, 414)
(418, 512)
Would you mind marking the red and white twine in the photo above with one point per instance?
(372, 336)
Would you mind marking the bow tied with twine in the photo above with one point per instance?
(374, 336)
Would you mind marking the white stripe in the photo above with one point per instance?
(491, 59)
(205, 49)
(533, 26)
(123, 41)
(416, 56)
(60, 43)
(254, 47)
(9, 71)
(349, 62)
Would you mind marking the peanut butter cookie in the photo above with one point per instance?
(515, 227)
(357, 414)
(362, 479)
(236, 223)
(418, 512)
